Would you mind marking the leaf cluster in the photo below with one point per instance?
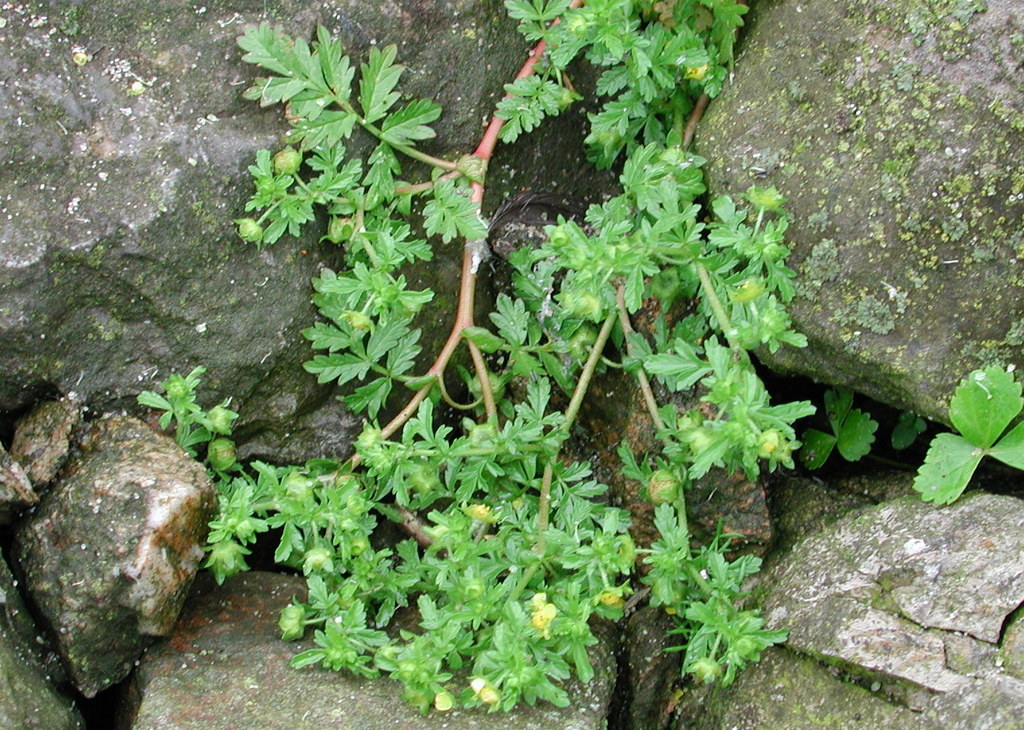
(984, 404)
(853, 431)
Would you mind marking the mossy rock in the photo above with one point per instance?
(896, 132)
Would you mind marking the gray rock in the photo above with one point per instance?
(109, 554)
(16, 490)
(653, 673)
(786, 691)
(29, 699)
(42, 438)
(226, 667)
(909, 596)
(894, 129)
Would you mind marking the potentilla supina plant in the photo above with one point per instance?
(513, 549)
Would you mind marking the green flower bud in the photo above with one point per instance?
(221, 454)
(699, 439)
(706, 670)
(663, 486)
(357, 320)
(481, 433)
(340, 229)
(287, 161)
(566, 97)
(473, 167)
(317, 560)
(769, 443)
(747, 291)
(358, 545)
(746, 647)
(225, 559)
(765, 198)
(292, 622)
(443, 701)
(423, 479)
(220, 419)
(176, 388)
(581, 341)
(249, 230)
(583, 304)
(297, 486)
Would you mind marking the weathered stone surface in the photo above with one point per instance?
(909, 595)
(651, 672)
(16, 491)
(787, 691)
(42, 438)
(895, 130)
(227, 667)
(29, 699)
(108, 556)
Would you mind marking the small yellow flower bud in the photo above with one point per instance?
(480, 513)
(484, 691)
(443, 701)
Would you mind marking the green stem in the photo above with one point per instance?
(406, 149)
(645, 385)
(717, 309)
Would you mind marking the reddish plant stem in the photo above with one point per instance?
(473, 253)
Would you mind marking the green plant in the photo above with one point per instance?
(853, 431)
(194, 426)
(982, 407)
(512, 547)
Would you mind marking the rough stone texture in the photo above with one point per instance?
(895, 130)
(42, 438)
(29, 699)
(787, 691)
(120, 262)
(226, 667)
(910, 596)
(108, 556)
(651, 672)
(16, 491)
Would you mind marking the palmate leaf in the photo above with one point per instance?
(984, 404)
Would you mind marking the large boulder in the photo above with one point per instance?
(912, 600)
(108, 556)
(125, 146)
(896, 131)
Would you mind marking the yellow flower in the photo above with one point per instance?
(697, 72)
(480, 512)
(611, 597)
(543, 614)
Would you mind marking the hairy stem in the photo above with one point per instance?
(642, 381)
(724, 323)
